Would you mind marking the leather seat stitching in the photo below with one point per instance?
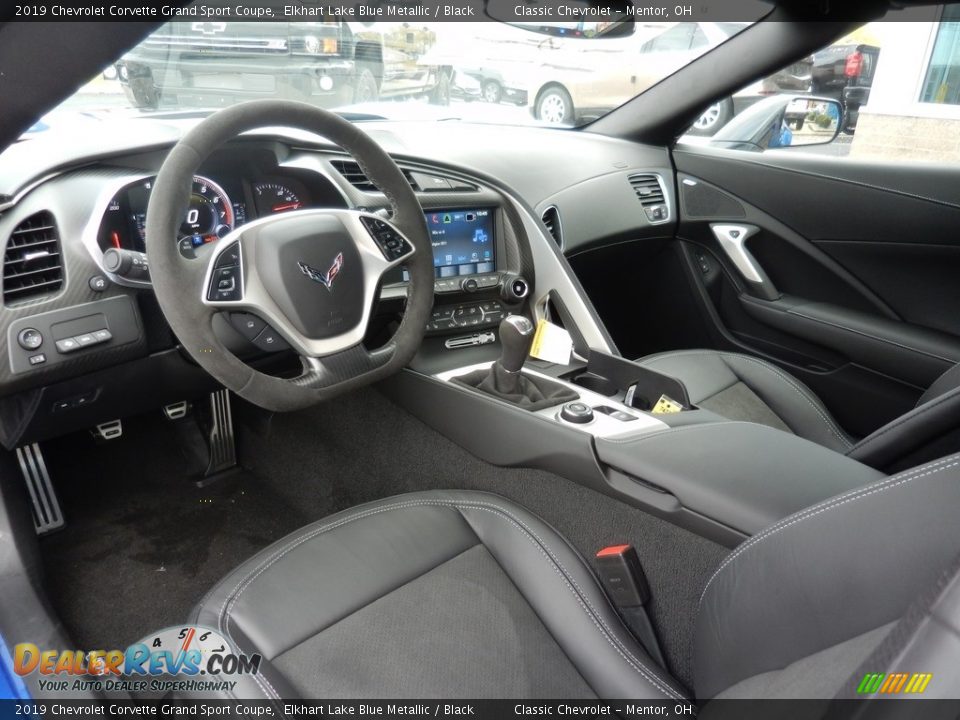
(767, 366)
(232, 598)
(889, 483)
(256, 676)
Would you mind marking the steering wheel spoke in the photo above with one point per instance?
(311, 275)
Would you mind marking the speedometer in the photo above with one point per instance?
(209, 215)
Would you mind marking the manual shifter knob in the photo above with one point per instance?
(516, 337)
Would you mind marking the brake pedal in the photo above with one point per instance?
(176, 411)
(47, 515)
(108, 430)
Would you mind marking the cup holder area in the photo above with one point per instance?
(597, 384)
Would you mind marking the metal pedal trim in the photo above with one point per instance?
(223, 453)
(108, 430)
(177, 410)
(45, 506)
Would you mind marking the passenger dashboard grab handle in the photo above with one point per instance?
(733, 241)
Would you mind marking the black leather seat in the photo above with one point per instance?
(741, 387)
(466, 594)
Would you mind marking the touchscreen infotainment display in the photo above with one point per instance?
(463, 241)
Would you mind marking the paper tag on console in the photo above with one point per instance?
(551, 343)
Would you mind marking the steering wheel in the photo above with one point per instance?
(312, 275)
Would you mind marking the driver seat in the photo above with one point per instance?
(456, 594)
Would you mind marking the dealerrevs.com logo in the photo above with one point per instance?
(190, 658)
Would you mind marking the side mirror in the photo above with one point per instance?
(782, 121)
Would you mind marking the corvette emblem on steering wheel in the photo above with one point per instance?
(325, 279)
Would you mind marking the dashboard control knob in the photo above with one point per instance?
(514, 289)
(126, 263)
(98, 283)
(29, 339)
(470, 285)
(576, 412)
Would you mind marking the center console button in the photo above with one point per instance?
(576, 412)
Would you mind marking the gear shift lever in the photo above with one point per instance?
(516, 337)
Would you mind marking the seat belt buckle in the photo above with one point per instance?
(622, 575)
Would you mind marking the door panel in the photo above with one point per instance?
(859, 264)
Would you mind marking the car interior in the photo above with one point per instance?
(656, 420)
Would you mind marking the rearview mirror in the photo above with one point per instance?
(783, 121)
(575, 19)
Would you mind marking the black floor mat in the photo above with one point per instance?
(362, 447)
(142, 543)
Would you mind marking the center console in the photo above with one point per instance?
(722, 479)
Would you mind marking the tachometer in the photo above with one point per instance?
(209, 216)
(275, 198)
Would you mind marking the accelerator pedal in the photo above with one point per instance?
(220, 437)
(205, 430)
(47, 515)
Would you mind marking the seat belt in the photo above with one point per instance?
(622, 575)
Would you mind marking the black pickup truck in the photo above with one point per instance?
(212, 64)
(845, 72)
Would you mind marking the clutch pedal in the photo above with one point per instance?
(47, 515)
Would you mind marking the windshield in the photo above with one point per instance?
(563, 74)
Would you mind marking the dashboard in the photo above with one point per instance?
(492, 253)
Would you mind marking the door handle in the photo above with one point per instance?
(733, 241)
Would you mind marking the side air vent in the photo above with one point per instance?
(355, 176)
(551, 218)
(32, 264)
(649, 191)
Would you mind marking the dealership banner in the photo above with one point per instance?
(483, 709)
(568, 12)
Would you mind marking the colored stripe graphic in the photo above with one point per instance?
(894, 683)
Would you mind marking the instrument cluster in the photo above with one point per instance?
(216, 207)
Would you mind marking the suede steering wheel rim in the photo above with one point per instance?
(316, 312)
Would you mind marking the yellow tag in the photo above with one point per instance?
(665, 406)
(551, 343)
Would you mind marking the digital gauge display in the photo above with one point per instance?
(209, 215)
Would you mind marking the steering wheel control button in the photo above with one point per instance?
(391, 244)
(67, 345)
(225, 284)
(102, 336)
(38, 359)
(578, 413)
(247, 325)
(85, 340)
(29, 339)
(98, 283)
(270, 340)
(229, 257)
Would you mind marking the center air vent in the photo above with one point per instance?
(355, 176)
(551, 218)
(32, 265)
(649, 191)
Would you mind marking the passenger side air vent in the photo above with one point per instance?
(32, 264)
(650, 192)
(551, 218)
(355, 176)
